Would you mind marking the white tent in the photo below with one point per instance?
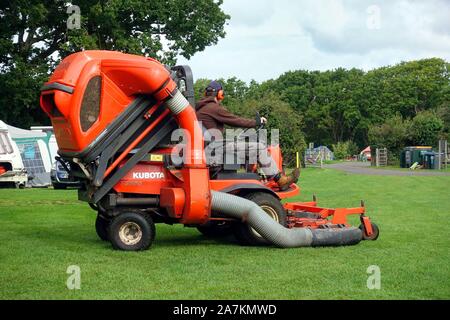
(36, 158)
(51, 144)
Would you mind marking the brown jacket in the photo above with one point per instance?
(214, 116)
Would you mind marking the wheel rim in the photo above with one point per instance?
(130, 233)
(271, 212)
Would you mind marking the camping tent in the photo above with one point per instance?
(33, 148)
(321, 153)
(51, 141)
(366, 154)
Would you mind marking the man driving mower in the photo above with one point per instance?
(213, 115)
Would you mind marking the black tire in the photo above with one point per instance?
(101, 227)
(216, 229)
(133, 226)
(373, 236)
(19, 185)
(246, 235)
(58, 186)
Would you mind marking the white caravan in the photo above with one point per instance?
(12, 171)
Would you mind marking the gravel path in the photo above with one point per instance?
(365, 168)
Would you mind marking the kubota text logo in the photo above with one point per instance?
(148, 175)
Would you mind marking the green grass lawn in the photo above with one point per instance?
(44, 231)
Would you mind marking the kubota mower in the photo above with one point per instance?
(113, 115)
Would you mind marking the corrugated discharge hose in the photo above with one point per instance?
(275, 233)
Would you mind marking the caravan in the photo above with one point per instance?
(12, 171)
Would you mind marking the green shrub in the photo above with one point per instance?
(426, 128)
(343, 150)
(393, 134)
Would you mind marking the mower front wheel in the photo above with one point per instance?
(373, 236)
(132, 231)
(248, 236)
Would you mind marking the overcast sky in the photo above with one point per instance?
(266, 38)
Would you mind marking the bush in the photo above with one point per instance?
(426, 128)
(353, 148)
(343, 150)
(392, 134)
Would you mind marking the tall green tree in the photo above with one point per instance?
(341, 105)
(34, 36)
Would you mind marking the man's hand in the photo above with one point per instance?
(263, 120)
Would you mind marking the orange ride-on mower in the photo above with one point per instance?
(113, 115)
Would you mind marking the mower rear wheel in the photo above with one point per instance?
(373, 236)
(101, 227)
(132, 231)
(248, 236)
(216, 229)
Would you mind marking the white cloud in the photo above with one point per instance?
(267, 38)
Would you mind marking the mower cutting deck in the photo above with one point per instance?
(309, 215)
(113, 115)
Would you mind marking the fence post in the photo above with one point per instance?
(321, 158)
(443, 154)
(446, 154)
(377, 157)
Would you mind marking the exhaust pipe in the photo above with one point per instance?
(280, 236)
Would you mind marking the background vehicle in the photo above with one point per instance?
(60, 176)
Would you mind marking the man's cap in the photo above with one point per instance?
(214, 86)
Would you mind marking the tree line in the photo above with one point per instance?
(393, 106)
